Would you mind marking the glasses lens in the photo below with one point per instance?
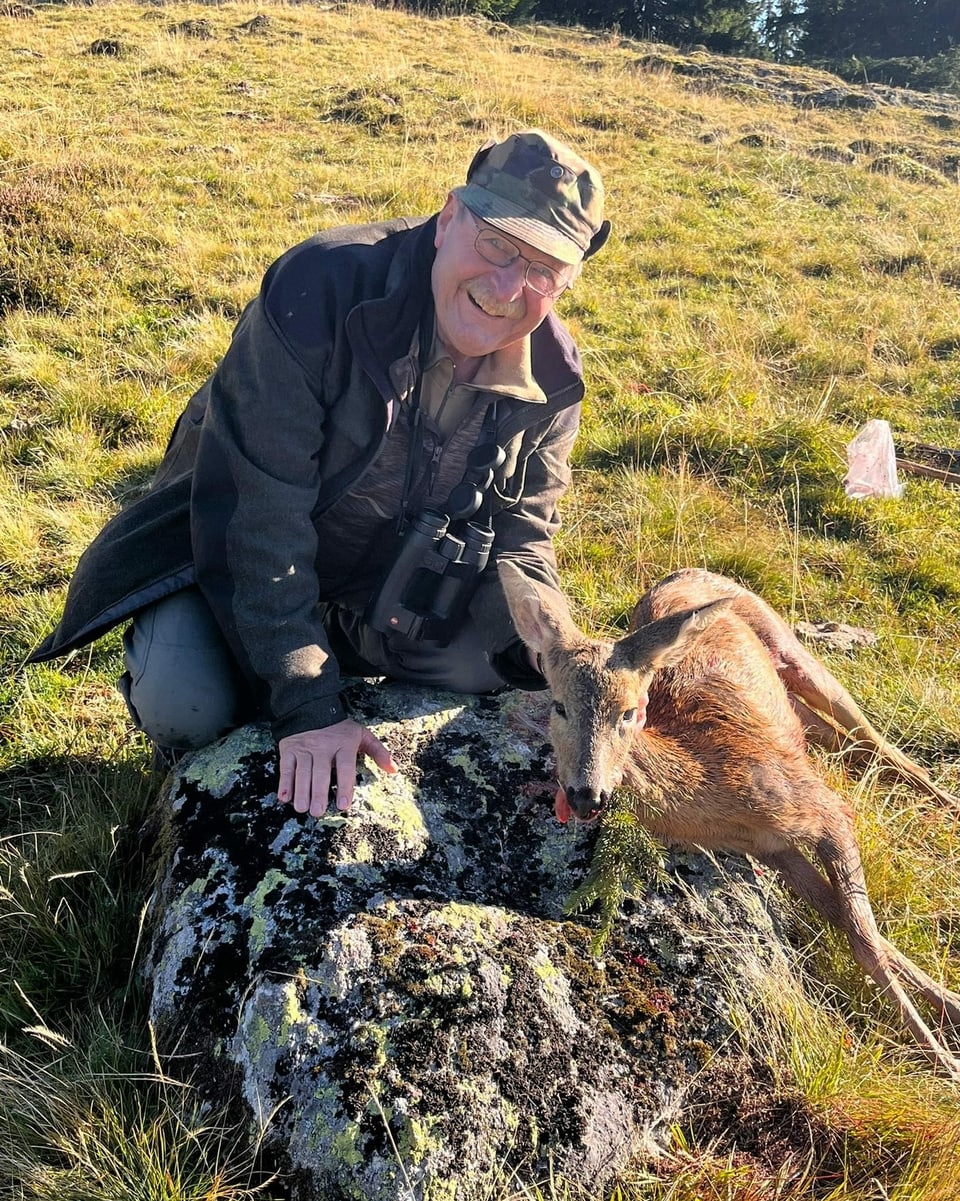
(495, 249)
(545, 280)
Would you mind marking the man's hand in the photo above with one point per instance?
(309, 760)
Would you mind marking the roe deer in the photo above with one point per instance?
(721, 762)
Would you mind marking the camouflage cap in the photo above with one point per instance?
(537, 189)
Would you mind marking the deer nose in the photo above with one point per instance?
(586, 803)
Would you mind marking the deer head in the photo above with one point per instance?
(599, 688)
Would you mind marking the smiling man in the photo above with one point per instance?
(394, 414)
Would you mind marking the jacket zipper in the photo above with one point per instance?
(433, 466)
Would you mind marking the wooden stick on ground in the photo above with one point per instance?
(930, 473)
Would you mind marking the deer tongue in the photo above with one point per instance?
(561, 808)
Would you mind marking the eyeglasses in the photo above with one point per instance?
(499, 251)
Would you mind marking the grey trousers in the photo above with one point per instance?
(184, 688)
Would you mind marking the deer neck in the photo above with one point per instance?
(662, 775)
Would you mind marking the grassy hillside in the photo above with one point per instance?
(779, 273)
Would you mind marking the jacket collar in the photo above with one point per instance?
(506, 372)
(381, 330)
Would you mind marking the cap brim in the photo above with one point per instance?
(513, 220)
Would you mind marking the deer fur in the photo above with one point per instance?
(691, 711)
(831, 717)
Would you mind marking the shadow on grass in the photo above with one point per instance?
(75, 869)
(83, 1110)
(133, 484)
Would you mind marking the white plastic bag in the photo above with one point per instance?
(872, 462)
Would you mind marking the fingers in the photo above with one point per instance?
(346, 776)
(288, 775)
(372, 746)
(304, 779)
(309, 763)
(319, 786)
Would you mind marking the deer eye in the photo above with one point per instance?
(628, 719)
(559, 709)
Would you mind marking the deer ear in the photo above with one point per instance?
(539, 615)
(664, 642)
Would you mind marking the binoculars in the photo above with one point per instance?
(430, 583)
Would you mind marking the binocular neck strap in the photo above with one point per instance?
(488, 437)
(467, 499)
(472, 496)
(424, 337)
(413, 454)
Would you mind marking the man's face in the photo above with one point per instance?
(482, 308)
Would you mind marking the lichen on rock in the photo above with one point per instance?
(397, 995)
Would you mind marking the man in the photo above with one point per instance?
(384, 372)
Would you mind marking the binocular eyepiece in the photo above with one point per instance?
(467, 497)
(429, 585)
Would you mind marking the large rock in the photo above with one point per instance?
(397, 995)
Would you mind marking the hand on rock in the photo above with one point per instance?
(310, 762)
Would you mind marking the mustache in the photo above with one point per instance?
(485, 296)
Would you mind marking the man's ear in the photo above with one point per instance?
(444, 218)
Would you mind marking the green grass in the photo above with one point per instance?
(759, 300)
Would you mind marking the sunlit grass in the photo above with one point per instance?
(766, 290)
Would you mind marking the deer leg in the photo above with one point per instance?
(818, 730)
(942, 1000)
(802, 877)
(862, 749)
(814, 692)
(838, 852)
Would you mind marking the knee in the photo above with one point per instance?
(182, 686)
(182, 713)
(464, 665)
(470, 675)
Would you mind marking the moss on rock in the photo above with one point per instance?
(402, 980)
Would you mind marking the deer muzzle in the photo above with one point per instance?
(585, 803)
